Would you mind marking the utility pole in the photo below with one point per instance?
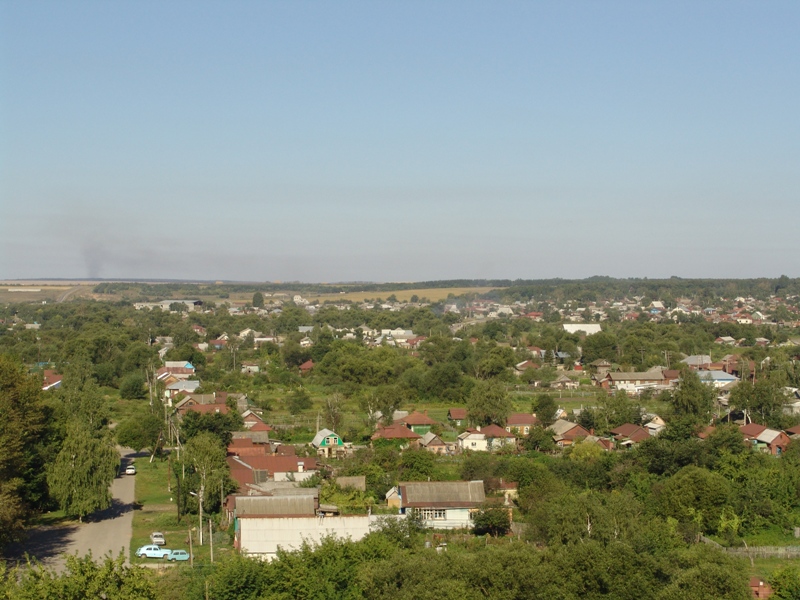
(211, 540)
(191, 554)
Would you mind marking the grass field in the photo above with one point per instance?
(156, 511)
(42, 292)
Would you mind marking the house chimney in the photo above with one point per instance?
(591, 431)
(478, 427)
(300, 466)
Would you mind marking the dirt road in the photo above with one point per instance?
(108, 531)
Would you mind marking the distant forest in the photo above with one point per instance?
(586, 290)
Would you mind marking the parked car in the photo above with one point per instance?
(178, 555)
(130, 470)
(153, 551)
(157, 538)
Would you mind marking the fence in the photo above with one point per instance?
(766, 551)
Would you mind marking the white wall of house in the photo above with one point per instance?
(445, 518)
(262, 536)
(476, 442)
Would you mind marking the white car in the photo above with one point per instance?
(157, 538)
(130, 470)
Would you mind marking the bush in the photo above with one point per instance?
(132, 387)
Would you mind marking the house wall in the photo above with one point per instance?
(455, 518)
(500, 442)
(262, 536)
(478, 444)
(294, 476)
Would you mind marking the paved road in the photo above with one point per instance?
(108, 531)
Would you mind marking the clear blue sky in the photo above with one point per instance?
(387, 141)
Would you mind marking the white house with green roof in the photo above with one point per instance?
(327, 443)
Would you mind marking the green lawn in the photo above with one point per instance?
(156, 511)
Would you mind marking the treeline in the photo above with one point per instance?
(393, 563)
(584, 290)
(57, 449)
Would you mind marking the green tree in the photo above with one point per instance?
(298, 401)
(82, 578)
(785, 581)
(140, 432)
(693, 398)
(539, 439)
(492, 520)
(258, 300)
(544, 407)
(22, 432)
(80, 477)
(695, 496)
(132, 387)
(416, 465)
(488, 403)
(205, 455)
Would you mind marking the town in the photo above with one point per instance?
(254, 423)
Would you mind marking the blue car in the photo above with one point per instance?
(153, 551)
(178, 555)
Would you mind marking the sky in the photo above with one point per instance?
(399, 141)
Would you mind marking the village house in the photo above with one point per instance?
(565, 433)
(433, 443)
(520, 423)
(457, 416)
(258, 469)
(418, 422)
(51, 380)
(442, 504)
(764, 439)
(327, 443)
(486, 439)
(634, 383)
(397, 432)
(265, 524)
(628, 434)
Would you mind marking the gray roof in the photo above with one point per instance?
(258, 437)
(442, 493)
(697, 359)
(431, 437)
(561, 426)
(275, 505)
(640, 376)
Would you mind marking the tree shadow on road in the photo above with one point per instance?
(42, 544)
(117, 509)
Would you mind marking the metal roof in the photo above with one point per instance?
(274, 505)
(452, 494)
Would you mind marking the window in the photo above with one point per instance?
(429, 514)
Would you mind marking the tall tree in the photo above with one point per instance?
(82, 473)
(22, 426)
(488, 403)
(205, 455)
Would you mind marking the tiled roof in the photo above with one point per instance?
(396, 431)
(417, 418)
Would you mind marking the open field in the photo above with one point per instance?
(39, 291)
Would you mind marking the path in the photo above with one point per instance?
(108, 531)
(63, 297)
